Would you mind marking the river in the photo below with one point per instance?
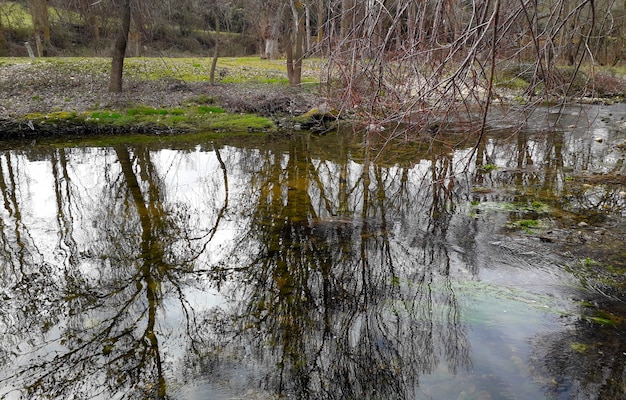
(318, 267)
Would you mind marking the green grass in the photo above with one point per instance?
(185, 119)
(15, 16)
(229, 69)
(488, 168)
(210, 110)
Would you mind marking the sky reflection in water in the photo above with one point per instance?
(309, 267)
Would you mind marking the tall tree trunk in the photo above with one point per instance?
(119, 51)
(307, 12)
(271, 36)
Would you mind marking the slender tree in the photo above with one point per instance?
(119, 50)
(216, 48)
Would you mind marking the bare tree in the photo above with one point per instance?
(119, 49)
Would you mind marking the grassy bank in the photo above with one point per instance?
(160, 95)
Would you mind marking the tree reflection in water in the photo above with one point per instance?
(86, 324)
(345, 277)
(338, 300)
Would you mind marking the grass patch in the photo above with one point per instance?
(210, 110)
(185, 119)
(15, 16)
(527, 225)
(229, 70)
(141, 111)
(105, 115)
(511, 82)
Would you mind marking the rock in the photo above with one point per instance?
(319, 120)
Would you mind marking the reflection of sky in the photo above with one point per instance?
(509, 307)
(499, 332)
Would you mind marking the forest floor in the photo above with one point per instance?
(70, 91)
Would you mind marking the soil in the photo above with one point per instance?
(25, 90)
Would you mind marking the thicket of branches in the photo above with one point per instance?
(418, 63)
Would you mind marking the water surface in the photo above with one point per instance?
(318, 267)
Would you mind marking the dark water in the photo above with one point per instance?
(318, 267)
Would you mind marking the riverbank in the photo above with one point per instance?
(52, 96)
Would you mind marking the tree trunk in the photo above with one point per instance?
(119, 50)
(346, 19)
(2, 41)
(41, 25)
(294, 47)
(271, 49)
(320, 22)
(299, 49)
(216, 49)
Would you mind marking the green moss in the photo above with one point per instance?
(105, 115)
(146, 111)
(527, 225)
(515, 83)
(194, 119)
(580, 348)
(231, 122)
(210, 110)
(488, 167)
(56, 116)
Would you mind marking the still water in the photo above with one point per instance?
(318, 267)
